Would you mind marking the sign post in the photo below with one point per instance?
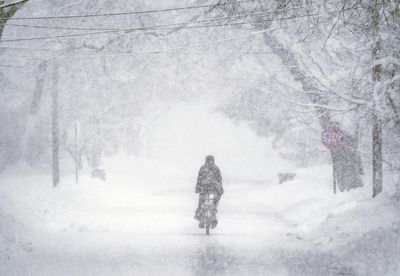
(76, 152)
(334, 139)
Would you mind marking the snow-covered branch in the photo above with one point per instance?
(13, 4)
(330, 108)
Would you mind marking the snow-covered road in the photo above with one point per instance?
(156, 235)
(117, 228)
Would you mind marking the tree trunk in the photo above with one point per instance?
(54, 128)
(377, 172)
(346, 164)
(32, 118)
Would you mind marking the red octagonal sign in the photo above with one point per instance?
(333, 137)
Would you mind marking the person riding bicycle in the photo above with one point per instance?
(209, 181)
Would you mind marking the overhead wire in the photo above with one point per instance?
(171, 50)
(238, 16)
(160, 27)
(131, 12)
(193, 45)
(155, 11)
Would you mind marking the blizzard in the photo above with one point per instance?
(118, 118)
(140, 221)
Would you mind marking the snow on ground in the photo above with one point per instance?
(140, 221)
(121, 228)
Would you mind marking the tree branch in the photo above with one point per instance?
(13, 4)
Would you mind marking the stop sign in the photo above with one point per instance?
(333, 137)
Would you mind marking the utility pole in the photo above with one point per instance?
(76, 152)
(377, 172)
(55, 127)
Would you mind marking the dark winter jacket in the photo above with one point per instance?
(209, 179)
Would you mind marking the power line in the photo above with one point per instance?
(53, 37)
(172, 50)
(155, 28)
(133, 12)
(61, 28)
(242, 15)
